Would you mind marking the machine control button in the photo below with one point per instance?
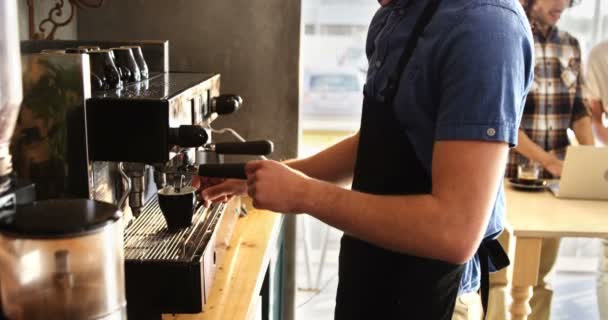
(188, 136)
(226, 104)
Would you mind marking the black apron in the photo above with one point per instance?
(375, 283)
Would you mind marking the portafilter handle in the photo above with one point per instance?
(252, 148)
(226, 170)
(233, 170)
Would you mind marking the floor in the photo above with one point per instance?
(574, 297)
(574, 281)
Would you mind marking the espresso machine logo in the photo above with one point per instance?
(8, 204)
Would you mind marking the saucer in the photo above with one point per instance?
(528, 185)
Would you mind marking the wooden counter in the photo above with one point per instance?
(541, 214)
(236, 289)
(537, 215)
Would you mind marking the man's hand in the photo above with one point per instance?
(275, 186)
(532, 151)
(554, 166)
(224, 191)
(271, 185)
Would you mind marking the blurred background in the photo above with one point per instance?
(334, 65)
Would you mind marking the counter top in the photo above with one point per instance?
(237, 284)
(534, 216)
(541, 214)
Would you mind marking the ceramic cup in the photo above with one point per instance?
(125, 61)
(89, 48)
(103, 67)
(177, 206)
(141, 62)
(76, 50)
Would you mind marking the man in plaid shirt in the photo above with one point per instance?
(554, 105)
(555, 102)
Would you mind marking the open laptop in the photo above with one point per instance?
(585, 174)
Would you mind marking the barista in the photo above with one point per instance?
(554, 105)
(427, 161)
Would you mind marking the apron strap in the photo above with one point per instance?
(394, 78)
(490, 251)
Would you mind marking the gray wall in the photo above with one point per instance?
(41, 12)
(253, 44)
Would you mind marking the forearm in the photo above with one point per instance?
(600, 131)
(406, 224)
(583, 132)
(531, 150)
(448, 224)
(597, 111)
(334, 164)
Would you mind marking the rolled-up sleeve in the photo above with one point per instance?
(486, 72)
(592, 79)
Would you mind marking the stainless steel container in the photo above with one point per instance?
(10, 85)
(63, 259)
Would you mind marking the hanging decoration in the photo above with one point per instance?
(60, 15)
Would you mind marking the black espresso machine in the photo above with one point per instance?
(122, 144)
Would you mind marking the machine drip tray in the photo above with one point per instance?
(170, 272)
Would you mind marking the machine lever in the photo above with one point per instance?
(255, 148)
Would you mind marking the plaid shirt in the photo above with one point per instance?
(555, 100)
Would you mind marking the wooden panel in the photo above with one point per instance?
(238, 280)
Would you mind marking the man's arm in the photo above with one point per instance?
(334, 164)
(593, 82)
(581, 114)
(583, 131)
(597, 111)
(447, 224)
(532, 151)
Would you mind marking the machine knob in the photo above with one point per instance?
(226, 104)
(188, 136)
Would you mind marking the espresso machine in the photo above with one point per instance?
(126, 143)
(166, 127)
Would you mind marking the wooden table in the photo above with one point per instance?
(533, 216)
(238, 280)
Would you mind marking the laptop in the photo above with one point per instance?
(585, 174)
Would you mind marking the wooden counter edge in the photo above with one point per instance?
(239, 278)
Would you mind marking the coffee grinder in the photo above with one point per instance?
(59, 259)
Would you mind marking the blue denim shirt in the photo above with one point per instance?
(467, 80)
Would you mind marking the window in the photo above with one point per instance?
(588, 22)
(342, 29)
(334, 82)
(309, 29)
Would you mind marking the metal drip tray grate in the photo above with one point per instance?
(148, 238)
